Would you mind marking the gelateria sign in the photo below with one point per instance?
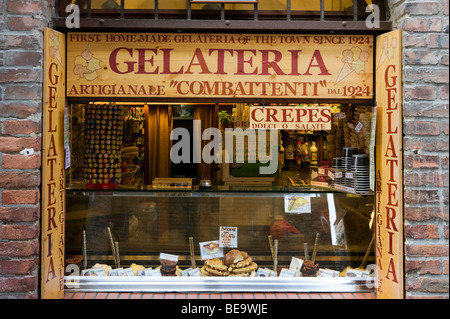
(219, 65)
(389, 158)
(53, 174)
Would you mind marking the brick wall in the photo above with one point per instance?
(21, 38)
(426, 144)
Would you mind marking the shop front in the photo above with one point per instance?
(222, 162)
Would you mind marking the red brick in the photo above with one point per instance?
(445, 7)
(24, 7)
(19, 179)
(23, 92)
(421, 214)
(430, 75)
(19, 232)
(90, 295)
(426, 109)
(423, 267)
(13, 75)
(421, 296)
(443, 93)
(427, 144)
(414, 41)
(9, 144)
(444, 162)
(432, 179)
(422, 161)
(422, 57)
(25, 23)
(416, 250)
(19, 214)
(422, 24)
(17, 266)
(19, 161)
(422, 231)
(23, 58)
(439, 41)
(21, 127)
(370, 295)
(427, 284)
(445, 128)
(18, 284)
(19, 109)
(101, 295)
(21, 41)
(21, 197)
(422, 128)
(424, 92)
(421, 196)
(422, 8)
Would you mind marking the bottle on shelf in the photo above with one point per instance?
(325, 150)
(281, 157)
(298, 152)
(314, 154)
(305, 153)
(290, 152)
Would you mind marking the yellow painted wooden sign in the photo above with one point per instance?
(389, 181)
(53, 177)
(219, 65)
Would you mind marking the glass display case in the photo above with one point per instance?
(278, 227)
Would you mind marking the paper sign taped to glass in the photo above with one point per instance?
(228, 237)
(297, 204)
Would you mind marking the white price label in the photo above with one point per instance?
(358, 127)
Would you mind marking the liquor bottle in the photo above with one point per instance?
(298, 152)
(290, 153)
(314, 154)
(281, 156)
(305, 153)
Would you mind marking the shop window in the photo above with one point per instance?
(128, 210)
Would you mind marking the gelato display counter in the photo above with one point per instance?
(224, 238)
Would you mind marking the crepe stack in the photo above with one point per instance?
(240, 264)
(214, 267)
(234, 264)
